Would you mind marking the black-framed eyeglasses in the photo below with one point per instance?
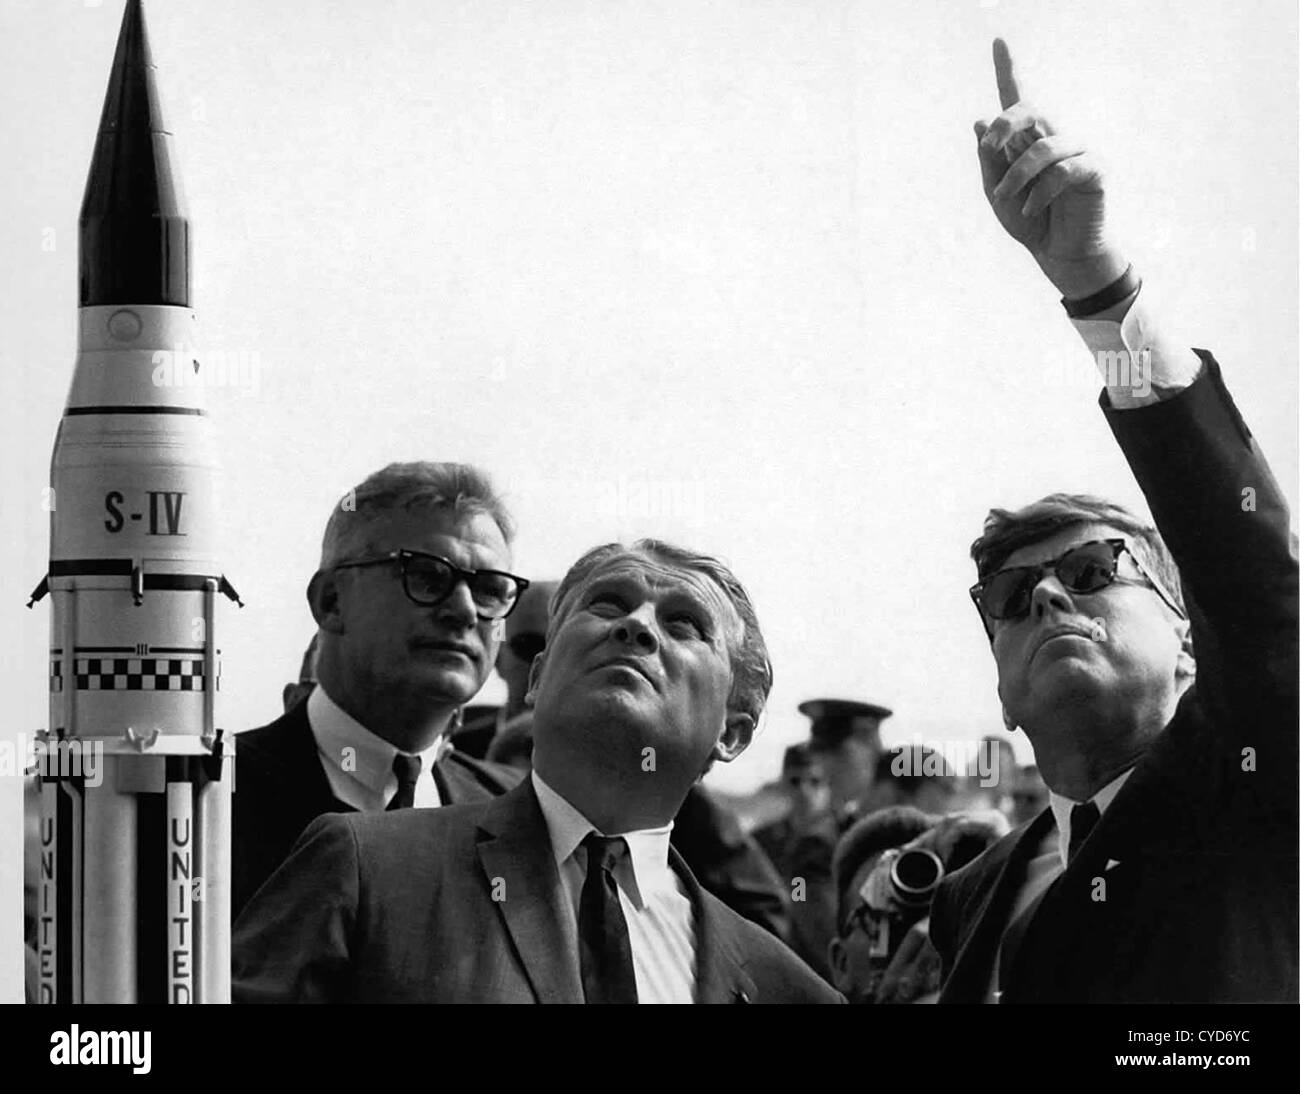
(1084, 568)
(429, 579)
(526, 645)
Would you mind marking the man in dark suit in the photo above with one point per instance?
(725, 860)
(566, 888)
(408, 600)
(1163, 718)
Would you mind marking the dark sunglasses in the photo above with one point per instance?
(527, 646)
(429, 579)
(1086, 568)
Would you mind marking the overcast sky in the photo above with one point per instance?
(721, 273)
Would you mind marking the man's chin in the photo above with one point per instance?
(449, 687)
(1066, 683)
(630, 708)
(1067, 660)
(611, 718)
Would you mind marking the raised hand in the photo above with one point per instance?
(1046, 190)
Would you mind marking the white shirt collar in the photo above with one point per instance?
(369, 768)
(1061, 809)
(647, 848)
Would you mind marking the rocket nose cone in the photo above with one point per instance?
(134, 232)
(132, 98)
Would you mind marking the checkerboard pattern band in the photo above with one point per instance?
(131, 674)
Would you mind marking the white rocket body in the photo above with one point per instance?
(134, 900)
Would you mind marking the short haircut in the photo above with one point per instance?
(751, 669)
(882, 830)
(1006, 531)
(456, 487)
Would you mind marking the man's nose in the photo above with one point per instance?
(1049, 593)
(637, 629)
(459, 607)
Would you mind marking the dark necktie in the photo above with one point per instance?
(605, 949)
(1083, 819)
(407, 770)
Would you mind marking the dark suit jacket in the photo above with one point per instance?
(1196, 855)
(729, 863)
(474, 737)
(462, 905)
(280, 788)
(803, 858)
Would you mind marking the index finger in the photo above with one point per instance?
(1004, 67)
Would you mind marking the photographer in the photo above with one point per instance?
(886, 869)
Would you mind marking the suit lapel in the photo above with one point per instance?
(458, 780)
(515, 847)
(719, 962)
(973, 968)
(301, 774)
(444, 775)
(1155, 789)
(515, 853)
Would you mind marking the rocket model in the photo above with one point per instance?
(134, 898)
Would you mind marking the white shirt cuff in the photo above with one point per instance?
(1138, 363)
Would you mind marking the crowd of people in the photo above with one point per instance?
(395, 843)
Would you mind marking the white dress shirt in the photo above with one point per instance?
(1061, 808)
(358, 764)
(1139, 364)
(660, 921)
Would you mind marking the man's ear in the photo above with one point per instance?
(534, 678)
(323, 599)
(736, 735)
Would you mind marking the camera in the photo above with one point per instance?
(896, 895)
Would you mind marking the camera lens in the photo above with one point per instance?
(914, 877)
